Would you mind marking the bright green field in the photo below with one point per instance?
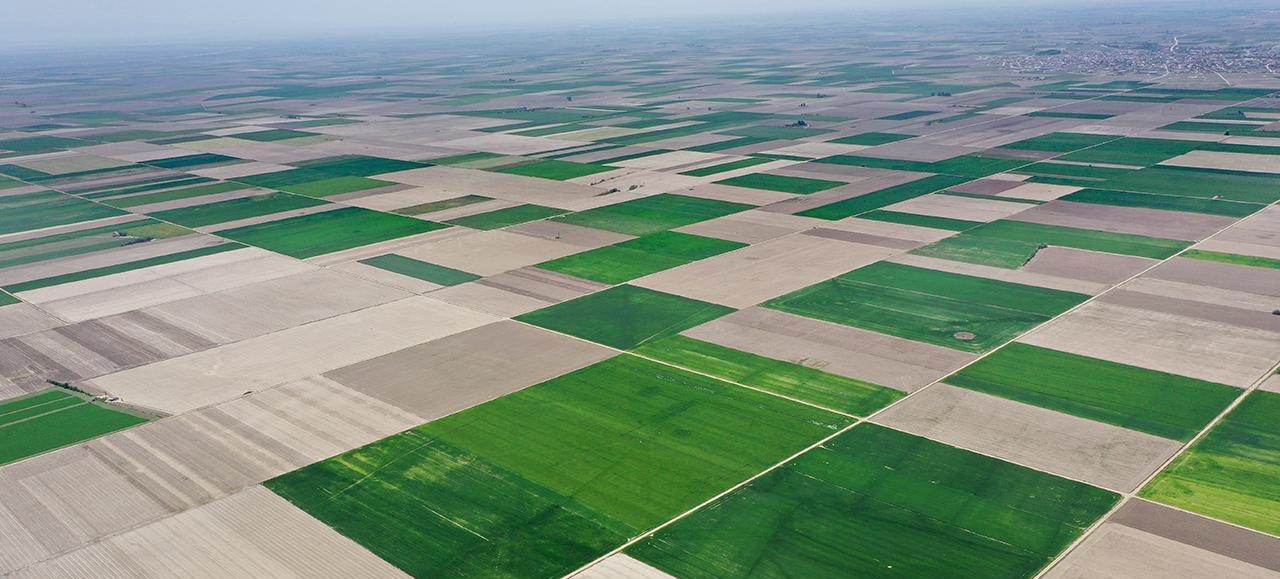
(328, 231)
(507, 216)
(1011, 244)
(335, 186)
(1154, 402)
(875, 502)
(782, 183)
(1059, 142)
(882, 198)
(794, 380)
(1133, 151)
(233, 209)
(52, 419)
(48, 209)
(1232, 258)
(653, 214)
(625, 316)
(1231, 473)
(640, 256)
(555, 169)
(1165, 202)
(437, 274)
(871, 139)
(542, 481)
(929, 305)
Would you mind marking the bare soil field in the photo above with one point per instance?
(1136, 220)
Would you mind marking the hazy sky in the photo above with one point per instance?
(80, 22)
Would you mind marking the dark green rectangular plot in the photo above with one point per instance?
(235, 209)
(437, 274)
(781, 183)
(625, 316)
(653, 214)
(507, 216)
(882, 198)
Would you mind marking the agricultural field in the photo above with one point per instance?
(875, 502)
(859, 295)
(615, 449)
(964, 312)
(41, 422)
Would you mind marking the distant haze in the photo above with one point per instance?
(89, 22)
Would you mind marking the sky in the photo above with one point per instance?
(87, 22)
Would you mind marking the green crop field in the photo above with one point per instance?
(1231, 473)
(437, 274)
(641, 256)
(1059, 142)
(782, 183)
(653, 214)
(920, 220)
(48, 209)
(882, 198)
(335, 186)
(188, 161)
(310, 172)
(929, 305)
(555, 169)
(6, 299)
(730, 166)
(542, 481)
(507, 216)
(52, 419)
(175, 194)
(234, 209)
(871, 139)
(875, 502)
(1090, 173)
(1011, 244)
(328, 231)
(793, 380)
(972, 166)
(625, 316)
(1165, 202)
(434, 206)
(1203, 183)
(1232, 258)
(58, 245)
(1139, 152)
(1154, 402)
(112, 193)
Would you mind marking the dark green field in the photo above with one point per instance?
(871, 139)
(781, 183)
(1011, 244)
(793, 380)
(328, 231)
(234, 209)
(1154, 402)
(48, 209)
(175, 194)
(625, 316)
(653, 214)
(972, 166)
(875, 502)
(929, 305)
(730, 166)
(507, 216)
(437, 274)
(920, 220)
(335, 186)
(1201, 183)
(1232, 258)
(434, 206)
(52, 419)
(542, 481)
(883, 198)
(1059, 142)
(1231, 473)
(641, 256)
(1140, 152)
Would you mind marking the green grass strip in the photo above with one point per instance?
(882, 198)
(507, 216)
(920, 220)
(722, 167)
(781, 183)
(1232, 258)
(437, 274)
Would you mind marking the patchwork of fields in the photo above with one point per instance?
(672, 311)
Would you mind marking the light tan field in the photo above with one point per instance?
(18, 319)
(621, 566)
(954, 207)
(751, 275)
(75, 496)
(223, 373)
(113, 256)
(752, 226)
(140, 288)
(457, 182)
(1000, 273)
(444, 376)
(1135, 220)
(253, 533)
(1167, 342)
(1103, 268)
(489, 252)
(1230, 161)
(1093, 452)
(876, 358)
